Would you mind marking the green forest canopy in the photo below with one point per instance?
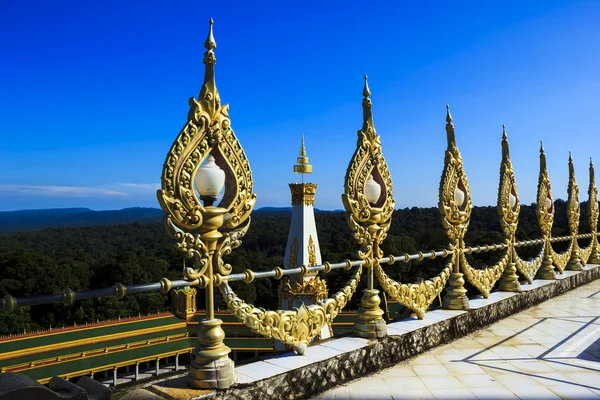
(82, 258)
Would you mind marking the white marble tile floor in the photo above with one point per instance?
(551, 351)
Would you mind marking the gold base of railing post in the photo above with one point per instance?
(456, 294)
(574, 263)
(546, 271)
(211, 367)
(510, 280)
(595, 255)
(369, 323)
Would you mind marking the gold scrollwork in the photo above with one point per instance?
(529, 268)
(416, 296)
(368, 222)
(484, 279)
(561, 260)
(296, 327)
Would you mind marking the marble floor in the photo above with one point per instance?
(550, 351)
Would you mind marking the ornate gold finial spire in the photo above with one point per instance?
(303, 167)
(542, 158)
(505, 149)
(450, 132)
(368, 126)
(209, 98)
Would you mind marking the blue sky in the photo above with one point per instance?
(93, 93)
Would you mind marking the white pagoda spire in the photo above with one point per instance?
(303, 243)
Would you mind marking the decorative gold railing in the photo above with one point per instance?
(205, 233)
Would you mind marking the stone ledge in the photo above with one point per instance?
(340, 360)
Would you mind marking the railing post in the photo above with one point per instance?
(545, 213)
(369, 202)
(205, 232)
(455, 206)
(211, 366)
(509, 208)
(593, 211)
(573, 212)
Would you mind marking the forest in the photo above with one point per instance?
(82, 258)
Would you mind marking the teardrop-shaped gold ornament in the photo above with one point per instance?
(207, 131)
(368, 161)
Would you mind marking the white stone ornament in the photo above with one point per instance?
(512, 201)
(548, 203)
(210, 179)
(372, 190)
(459, 197)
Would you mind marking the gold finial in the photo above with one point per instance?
(505, 149)
(542, 157)
(571, 167)
(366, 91)
(450, 130)
(210, 43)
(208, 99)
(368, 126)
(592, 175)
(303, 167)
(448, 115)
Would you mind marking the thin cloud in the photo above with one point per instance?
(148, 186)
(36, 190)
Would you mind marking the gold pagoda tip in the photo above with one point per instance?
(570, 158)
(541, 147)
(504, 137)
(303, 167)
(366, 90)
(210, 43)
(448, 115)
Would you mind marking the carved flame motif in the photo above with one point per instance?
(593, 254)
(368, 160)
(206, 132)
(455, 218)
(573, 208)
(544, 193)
(509, 216)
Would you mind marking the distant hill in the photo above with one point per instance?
(30, 220)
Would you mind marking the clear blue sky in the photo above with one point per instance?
(92, 94)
